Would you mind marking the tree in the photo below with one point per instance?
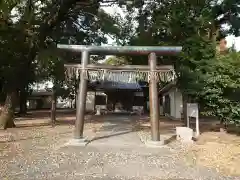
(195, 25)
(14, 47)
(221, 90)
(27, 27)
(116, 61)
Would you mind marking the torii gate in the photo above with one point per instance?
(152, 71)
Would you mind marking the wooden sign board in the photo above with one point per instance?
(192, 110)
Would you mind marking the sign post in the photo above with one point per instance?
(192, 111)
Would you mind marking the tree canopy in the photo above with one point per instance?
(116, 61)
(30, 30)
(197, 26)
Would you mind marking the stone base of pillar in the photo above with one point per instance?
(155, 144)
(98, 113)
(98, 108)
(77, 142)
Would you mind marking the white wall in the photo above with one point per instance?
(172, 102)
(90, 101)
(178, 104)
(175, 103)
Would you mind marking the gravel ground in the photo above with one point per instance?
(36, 154)
(103, 162)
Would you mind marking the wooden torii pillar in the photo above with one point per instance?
(152, 51)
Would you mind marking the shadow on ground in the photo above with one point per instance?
(67, 117)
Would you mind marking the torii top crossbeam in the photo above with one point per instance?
(143, 50)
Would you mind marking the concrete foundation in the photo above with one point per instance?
(77, 142)
(155, 144)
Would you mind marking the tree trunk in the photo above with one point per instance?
(146, 98)
(71, 105)
(53, 108)
(7, 114)
(185, 101)
(223, 125)
(23, 102)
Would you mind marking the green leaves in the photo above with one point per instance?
(221, 88)
(30, 26)
(116, 61)
(195, 25)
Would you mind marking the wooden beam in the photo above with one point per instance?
(111, 50)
